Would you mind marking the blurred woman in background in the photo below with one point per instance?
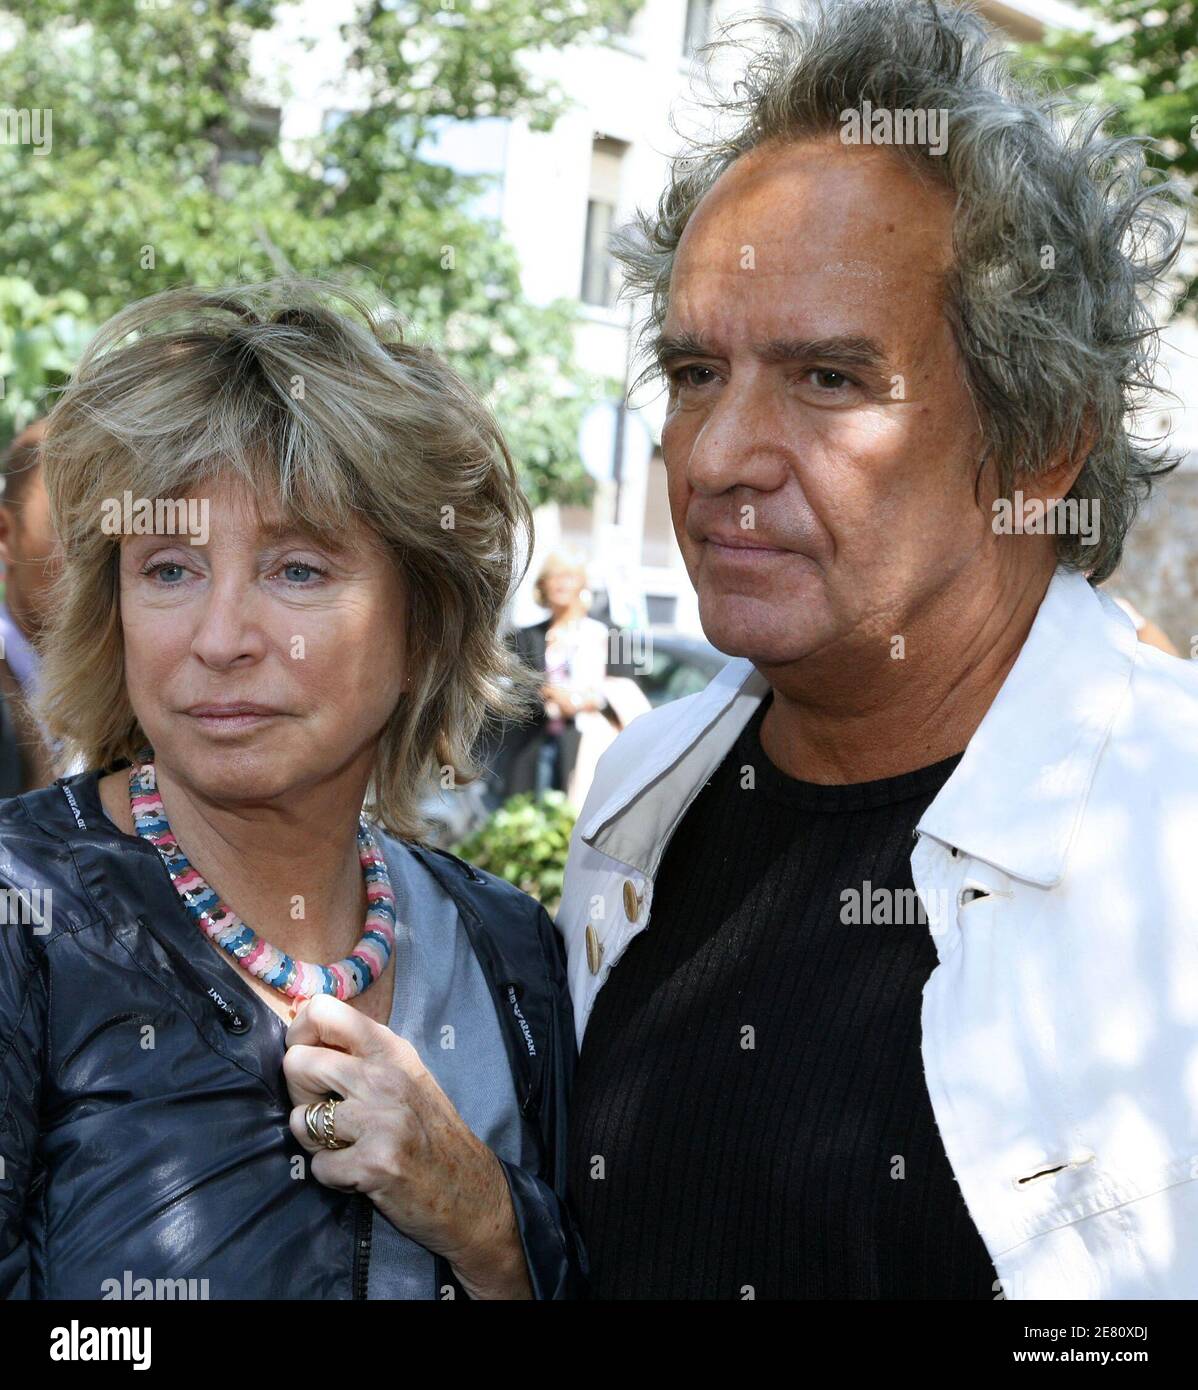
(568, 652)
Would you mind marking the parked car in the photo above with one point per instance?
(676, 665)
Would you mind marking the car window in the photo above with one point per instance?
(685, 679)
(669, 676)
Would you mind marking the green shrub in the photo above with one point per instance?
(525, 841)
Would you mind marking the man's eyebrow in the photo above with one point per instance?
(851, 350)
(668, 347)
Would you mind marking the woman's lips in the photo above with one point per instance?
(234, 719)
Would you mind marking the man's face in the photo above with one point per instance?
(32, 555)
(820, 494)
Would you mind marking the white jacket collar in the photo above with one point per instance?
(1016, 796)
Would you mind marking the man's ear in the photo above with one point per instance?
(1055, 482)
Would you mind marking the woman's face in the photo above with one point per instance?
(561, 587)
(261, 663)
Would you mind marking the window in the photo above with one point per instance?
(659, 548)
(598, 268)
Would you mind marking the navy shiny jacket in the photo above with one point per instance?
(176, 1162)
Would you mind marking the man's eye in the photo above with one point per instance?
(693, 374)
(825, 372)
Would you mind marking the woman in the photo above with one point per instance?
(291, 1053)
(568, 651)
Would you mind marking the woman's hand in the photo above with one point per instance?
(559, 696)
(409, 1150)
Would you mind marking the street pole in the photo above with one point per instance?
(617, 471)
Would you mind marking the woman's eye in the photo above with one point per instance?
(165, 570)
(297, 572)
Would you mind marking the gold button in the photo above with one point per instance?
(594, 949)
(632, 902)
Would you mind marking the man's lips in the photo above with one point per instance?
(747, 546)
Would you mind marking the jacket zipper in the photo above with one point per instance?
(523, 1077)
(363, 1227)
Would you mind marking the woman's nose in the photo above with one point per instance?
(227, 625)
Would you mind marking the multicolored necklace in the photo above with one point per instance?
(298, 979)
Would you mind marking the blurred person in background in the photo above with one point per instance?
(1146, 629)
(568, 651)
(32, 557)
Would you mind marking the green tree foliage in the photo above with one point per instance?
(166, 168)
(1143, 59)
(41, 337)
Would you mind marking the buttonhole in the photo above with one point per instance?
(1057, 1168)
(970, 895)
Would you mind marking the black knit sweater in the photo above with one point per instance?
(750, 1116)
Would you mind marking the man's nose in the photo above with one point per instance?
(743, 442)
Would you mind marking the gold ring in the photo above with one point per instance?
(310, 1121)
(329, 1137)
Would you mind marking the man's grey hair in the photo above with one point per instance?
(1047, 352)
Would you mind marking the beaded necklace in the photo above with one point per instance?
(298, 979)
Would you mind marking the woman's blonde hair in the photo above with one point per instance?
(559, 562)
(333, 413)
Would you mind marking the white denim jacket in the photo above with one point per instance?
(1060, 1026)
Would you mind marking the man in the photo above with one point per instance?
(31, 560)
(884, 948)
